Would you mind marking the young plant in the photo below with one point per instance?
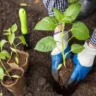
(3, 56)
(79, 30)
(10, 33)
(2, 74)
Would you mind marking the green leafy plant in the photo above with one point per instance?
(79, 30)
(11, 35)
(3, 56)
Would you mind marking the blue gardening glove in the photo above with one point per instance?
(83, 64)
(57, 59)
(56, 54)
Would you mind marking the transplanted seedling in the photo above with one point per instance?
(3, 56)
(79, 30)
(11, 35)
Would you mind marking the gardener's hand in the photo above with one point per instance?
(56, 53)
(83, 64)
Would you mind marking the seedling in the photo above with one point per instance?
(79, 30)
(10, 33)
(3, 56)
(2, 73)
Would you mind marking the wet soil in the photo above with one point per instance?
(39, 79)
(65, 72)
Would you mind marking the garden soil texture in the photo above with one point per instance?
(38, 76)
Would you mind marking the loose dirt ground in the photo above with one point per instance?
(38, 77)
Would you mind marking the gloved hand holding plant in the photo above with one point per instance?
(56, 54)
(83, 61)
(59, 44)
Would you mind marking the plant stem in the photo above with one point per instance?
(67, 32)
(14, 46)
(63, 45)
(70, 38)
(18, 44)
(11, 54)
(15, 49)
(5, 68)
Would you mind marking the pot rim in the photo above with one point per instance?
(22, 70)
(22, 52)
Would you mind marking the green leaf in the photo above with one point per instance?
(14, 50)
(14, 28)
(11, 38)
(46, 44)
(2, 56)
(53, 18)
(23, 40)
(73, 11)
(46, 23)
(16, 59)
(7, 32)
(80, 31)
(76, 48)
(72, 1)
(66, 19)
(2, 43)
(1, 73)
(15, 76)
(59, 66)
(66, 54)
(58, 14)
(5, 53)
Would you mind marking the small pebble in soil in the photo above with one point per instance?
(59, 95)
(41, 81)
(38, 89)
(28, 94)
(47, 86)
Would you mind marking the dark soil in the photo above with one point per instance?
(65, 72)
(10, 80)
(39, 79)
